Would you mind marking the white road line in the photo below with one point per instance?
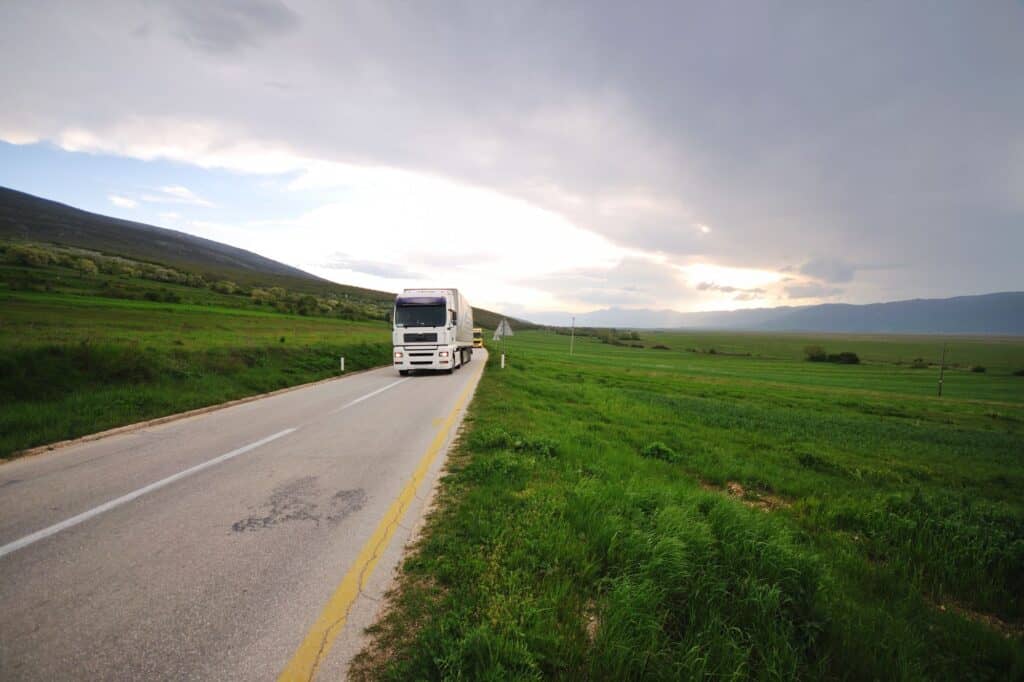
(117, 502)
(367, 396)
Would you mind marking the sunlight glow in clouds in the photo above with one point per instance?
(454, 235)
(388, 228)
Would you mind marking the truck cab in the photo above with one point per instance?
(433, 330)
(478, 337)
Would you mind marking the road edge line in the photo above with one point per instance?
(317, 643)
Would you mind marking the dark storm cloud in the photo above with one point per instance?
(224, 26)
(829, 269)
(806, 133)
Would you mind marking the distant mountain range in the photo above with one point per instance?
(24, 217)
(1000, 313)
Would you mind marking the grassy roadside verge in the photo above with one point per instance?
(74, 365)
(604, 522)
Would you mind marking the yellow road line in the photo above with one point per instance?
(317, 644)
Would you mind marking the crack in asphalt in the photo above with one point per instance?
(377, 551)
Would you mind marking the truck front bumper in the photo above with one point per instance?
(420, 357)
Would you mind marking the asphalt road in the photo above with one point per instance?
(249, 543)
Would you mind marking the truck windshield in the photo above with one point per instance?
(420, 316)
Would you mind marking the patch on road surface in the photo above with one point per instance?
(346, 502)
(299, 500)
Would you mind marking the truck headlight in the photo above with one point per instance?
(443, 354)
(398, 355)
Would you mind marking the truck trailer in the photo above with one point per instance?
(433, 330)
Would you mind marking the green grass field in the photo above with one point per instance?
(635, 513)
(73, 363)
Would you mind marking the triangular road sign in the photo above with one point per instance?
(503, 330)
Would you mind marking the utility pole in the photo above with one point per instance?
(942, 368)
(572, 335)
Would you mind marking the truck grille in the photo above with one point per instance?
(421, 338)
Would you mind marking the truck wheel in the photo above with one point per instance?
(403, 372)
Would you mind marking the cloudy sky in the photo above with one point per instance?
(544, 156)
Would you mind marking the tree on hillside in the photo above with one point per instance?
(308, 305)
(87, 266)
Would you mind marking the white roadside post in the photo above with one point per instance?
(572, 335)
(342, 364)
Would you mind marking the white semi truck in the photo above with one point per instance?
(433, 329)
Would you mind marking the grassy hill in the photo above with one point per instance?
(24, 217)
(27, 218)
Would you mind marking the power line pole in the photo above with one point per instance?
(942, 368)
(572, 335)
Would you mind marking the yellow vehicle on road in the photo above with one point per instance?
(478, 337)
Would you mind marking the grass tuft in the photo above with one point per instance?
(658, 450)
